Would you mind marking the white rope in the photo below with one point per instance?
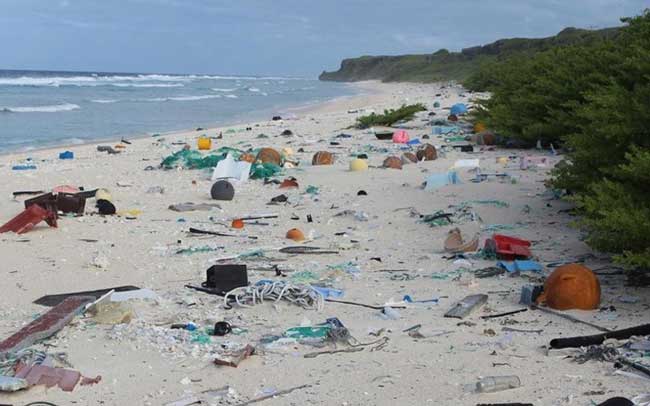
(301, 295)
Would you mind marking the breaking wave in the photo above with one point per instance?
(99, 80)
(147, 84)
(181, 98)
(41, 109)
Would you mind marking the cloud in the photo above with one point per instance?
(275, 37)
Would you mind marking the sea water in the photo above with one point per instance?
(40, 109)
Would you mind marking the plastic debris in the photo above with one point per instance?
(438, 180)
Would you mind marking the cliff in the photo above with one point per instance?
(445, 65)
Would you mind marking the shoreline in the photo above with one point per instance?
(363, 89)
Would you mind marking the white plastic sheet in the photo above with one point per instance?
(231, 169)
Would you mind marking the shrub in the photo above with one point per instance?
(389, 117)
(593, 98)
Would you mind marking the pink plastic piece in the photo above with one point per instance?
(65, 189)
(400, 137)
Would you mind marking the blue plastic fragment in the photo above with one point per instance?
(520, 266)
(66, 155)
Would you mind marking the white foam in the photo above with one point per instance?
(93, 80)
(181, 98)
(232, 96)
(41, 109)
(193, 98)
(253, 89)
(147, 84)
(99, 80)
(104, 101)
(216, 89)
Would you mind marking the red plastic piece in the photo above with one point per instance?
(26, 220)
(511, 248)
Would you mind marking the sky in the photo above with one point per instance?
(270, 37)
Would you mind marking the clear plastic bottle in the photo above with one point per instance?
(497, 383)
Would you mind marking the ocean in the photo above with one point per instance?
(41, 109)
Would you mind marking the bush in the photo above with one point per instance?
(609, 166)
(535, 98)
(593, 98)
(389, 117)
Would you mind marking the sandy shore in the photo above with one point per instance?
(145, 363)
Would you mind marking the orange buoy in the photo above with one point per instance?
(393, 162)
(427, 153)
(296, 235)
(322, 158)
(237, 223)
(269, 155)
(409, 158)
(571, 286)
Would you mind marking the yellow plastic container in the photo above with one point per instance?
(357, 165)
(502, 160)
(204, 143)
(479, 127)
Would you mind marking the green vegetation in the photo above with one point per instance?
(594, 99)
(389, 117)
(444, 65)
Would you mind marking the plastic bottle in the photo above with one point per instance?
(497, 383)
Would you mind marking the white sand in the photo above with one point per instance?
(406, 371)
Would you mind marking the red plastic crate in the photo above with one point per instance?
(510, 248)
(26, 220)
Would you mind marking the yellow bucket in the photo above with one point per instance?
(204, 143)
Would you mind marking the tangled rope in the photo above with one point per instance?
(9, 360)
(301, 295)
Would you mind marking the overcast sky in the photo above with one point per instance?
(277, 37)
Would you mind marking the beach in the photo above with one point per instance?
(384, 252)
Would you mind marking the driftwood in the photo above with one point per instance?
(493, 316)
(585, 341)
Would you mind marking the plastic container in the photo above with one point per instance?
(204, 143)
(30, 217)
(491, 384)
(508, 248)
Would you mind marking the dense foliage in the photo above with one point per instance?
(593, 98)
(389, 117)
